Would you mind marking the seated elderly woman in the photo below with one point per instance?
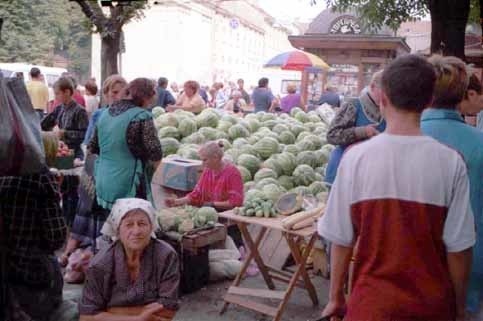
(190, 99)
(236, 104)
(220, 184)
(137, 270)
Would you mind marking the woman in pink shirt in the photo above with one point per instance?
(220, 184)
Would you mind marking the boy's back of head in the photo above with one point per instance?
(408, 82)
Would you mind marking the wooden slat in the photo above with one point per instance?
(280, 272)
(299, 283)
(259, 307)
(260, 293)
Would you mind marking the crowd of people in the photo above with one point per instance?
(406, 198)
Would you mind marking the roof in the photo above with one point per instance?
(324, 21)
(338, 41)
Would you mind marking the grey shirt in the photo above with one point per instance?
(262, 99)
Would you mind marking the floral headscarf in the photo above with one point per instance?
(123, 206)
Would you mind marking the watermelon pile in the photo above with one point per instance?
(274, 153)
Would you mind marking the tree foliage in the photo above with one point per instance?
(376, 13)
(35, 31)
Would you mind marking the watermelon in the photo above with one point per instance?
(188, 152)
(287, 137)
(265, 181)
(248, 186)
(273, 164)
(254, 125)
(268, 117)
(187, 127)
(304, 175)
(287, 162)
(208, 132)
(307, 157)
(250, 162)
(296, 129)
(195, 138)
(302, 135)
(317, 187)
(266, 147)
(166, 120)
(302, 117)
(280, 128)
(314, 139)
(253, 194)
(305, 145)
(265, 173)
(294, 111)
(249, 149)
(302, 190)
(224, 125)
(237, 131)
(292, 149)
(169, 131)
(158, 111)
(232, 155)
(273, 191)
(245, 174)
(286, 182)
(320, 170)
(207, 118)
(239, 142)
(229, 118)
(169, 145)
(269, 123)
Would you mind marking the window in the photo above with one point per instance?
(51, 79)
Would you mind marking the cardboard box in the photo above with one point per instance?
(178, 173)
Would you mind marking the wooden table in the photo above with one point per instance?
(166, 315)
(239, 295)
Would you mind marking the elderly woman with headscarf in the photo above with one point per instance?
(127, 143)
(137, 270)
(220, 184)
(190, 99)
(236, 104)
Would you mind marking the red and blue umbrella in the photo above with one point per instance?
(296, 60)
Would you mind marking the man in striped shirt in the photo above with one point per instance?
(404, 198)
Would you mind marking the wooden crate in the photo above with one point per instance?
(204, 238)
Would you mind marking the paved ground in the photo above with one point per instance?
(205, 305)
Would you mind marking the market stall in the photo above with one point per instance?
(300, 278)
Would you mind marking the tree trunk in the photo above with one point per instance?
(109, 54)
(448, 25)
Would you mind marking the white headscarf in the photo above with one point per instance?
(123, 206)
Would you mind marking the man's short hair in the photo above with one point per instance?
(451, 81)
(63, 84)
(34, 72)
(263, 82)
(408, 82)
(163, 82)
(240, 80)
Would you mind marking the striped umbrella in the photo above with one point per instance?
(296, 60)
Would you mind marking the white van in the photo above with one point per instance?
(51, 74)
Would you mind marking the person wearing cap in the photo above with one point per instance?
(136, 270)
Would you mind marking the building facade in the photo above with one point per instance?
(202, 40)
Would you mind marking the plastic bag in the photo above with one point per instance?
(21, 147)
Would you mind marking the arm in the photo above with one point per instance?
(50, 121)
(342, 130)
(46, 97)
(143, 142)
(170, 99)
(169, 284)
(459, 265)
(93, 145)
(340, 259)
(459, 235)
(76, 135)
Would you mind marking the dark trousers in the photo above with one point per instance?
(70, 198)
